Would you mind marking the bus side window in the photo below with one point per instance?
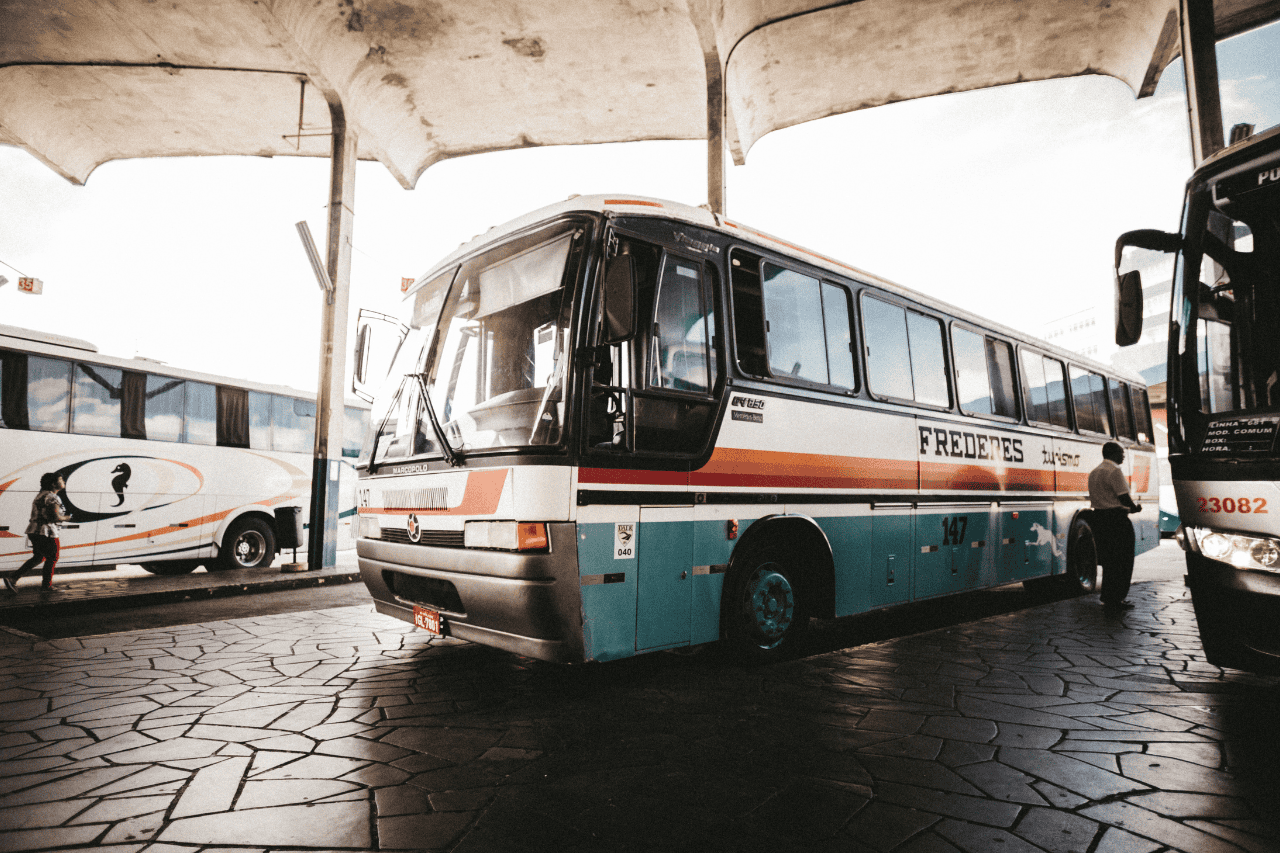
(837, 317)
(48, 394)
(748, 312)
(353, 431)
(163, 414)
(13, 390)
(293, 424)
(679, 359)
(1089, 393)
(1004, 393)
(904, 353)
(201, 426)
(1045, 386)
(259, 412)
(1141, 413)
(133, 405)
(793, 325)
(973, 384)
(1120, 410)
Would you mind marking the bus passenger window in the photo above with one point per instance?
(293, 424)
(1120, 409)
(353, 430)
(1090, 396)
(259, 420)
(1045, 386)
(884, 329)
(973, 385)
(233, 417)
(202, 414)
(1004, 395)
(793, 325)
(748, 313)
(1141, 413)
(836, 318)
(97, 401)
(165, 398)
(133, 405)
(48, 394)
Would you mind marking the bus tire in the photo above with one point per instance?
(171, 567)
(249, 544)
(1081, 577)
(766, 613)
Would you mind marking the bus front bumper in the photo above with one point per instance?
(1238, 611)
(526, 603)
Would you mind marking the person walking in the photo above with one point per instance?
(46, 514)
(1113, 532)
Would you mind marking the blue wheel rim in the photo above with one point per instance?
(769, 606)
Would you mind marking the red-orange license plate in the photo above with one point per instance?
(427, 620)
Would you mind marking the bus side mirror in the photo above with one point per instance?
(1129, 284)
(1128, 308)
(360, 361)
(378, 336)
(619, 297)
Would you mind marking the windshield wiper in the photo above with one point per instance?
(451, 456)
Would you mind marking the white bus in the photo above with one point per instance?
(1223, 391)
(620, 424)
(165, 468)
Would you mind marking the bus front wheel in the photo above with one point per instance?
(249, 544)
(766, 613)
(1082, 559)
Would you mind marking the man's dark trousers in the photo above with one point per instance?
(1113, 534)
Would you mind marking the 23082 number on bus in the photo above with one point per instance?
(1253, 505)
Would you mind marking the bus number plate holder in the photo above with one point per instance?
(428, 620)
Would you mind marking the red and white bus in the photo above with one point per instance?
(166, 468)
(621, 424)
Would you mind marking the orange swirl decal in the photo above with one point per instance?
(481, 496)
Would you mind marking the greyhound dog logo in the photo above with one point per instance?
(120, 482)
(1044, 537)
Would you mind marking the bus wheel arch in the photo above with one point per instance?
(780, 574)
(248, 541)
(1081, 577)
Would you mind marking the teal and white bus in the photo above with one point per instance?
(620, 424)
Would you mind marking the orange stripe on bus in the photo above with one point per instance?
(731, 466)
(483, 491)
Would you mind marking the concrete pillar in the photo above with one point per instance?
(322, 541)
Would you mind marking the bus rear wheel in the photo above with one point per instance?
(766, 613)
(1082, 559)
(171, 567)
(249, 544)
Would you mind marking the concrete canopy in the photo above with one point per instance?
(83, 82)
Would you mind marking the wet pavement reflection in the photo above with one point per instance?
(1051, 728)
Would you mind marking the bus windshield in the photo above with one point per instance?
(1228, 281)
(486, 354)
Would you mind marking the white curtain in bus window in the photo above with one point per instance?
(835, 315)
(201, 425)
(1089, 393)
(884, 328)
(793, 323)
(520, 278)
(1120, 409)
(928, 365)
(165, 399)
(293, 424)
(679, 355)
(48, 393)
(260, 420)
(1046, 389)
(97, 400)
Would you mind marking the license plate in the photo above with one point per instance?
(428, 620)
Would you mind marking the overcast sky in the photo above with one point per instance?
(1006, 202)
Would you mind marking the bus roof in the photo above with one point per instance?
(59, 346)
(616, 204)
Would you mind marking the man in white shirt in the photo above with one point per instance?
(1112, 531)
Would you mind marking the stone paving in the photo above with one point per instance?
(1056, 728)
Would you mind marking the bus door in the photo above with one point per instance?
(664, 586)
(77, 536)
(1029, 546)
(890, 557)
(951, 543)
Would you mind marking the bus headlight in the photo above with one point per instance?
(370, 528)
(1243, 552)
(505, 535)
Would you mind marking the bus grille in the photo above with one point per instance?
(428, 592)
(438, 538)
